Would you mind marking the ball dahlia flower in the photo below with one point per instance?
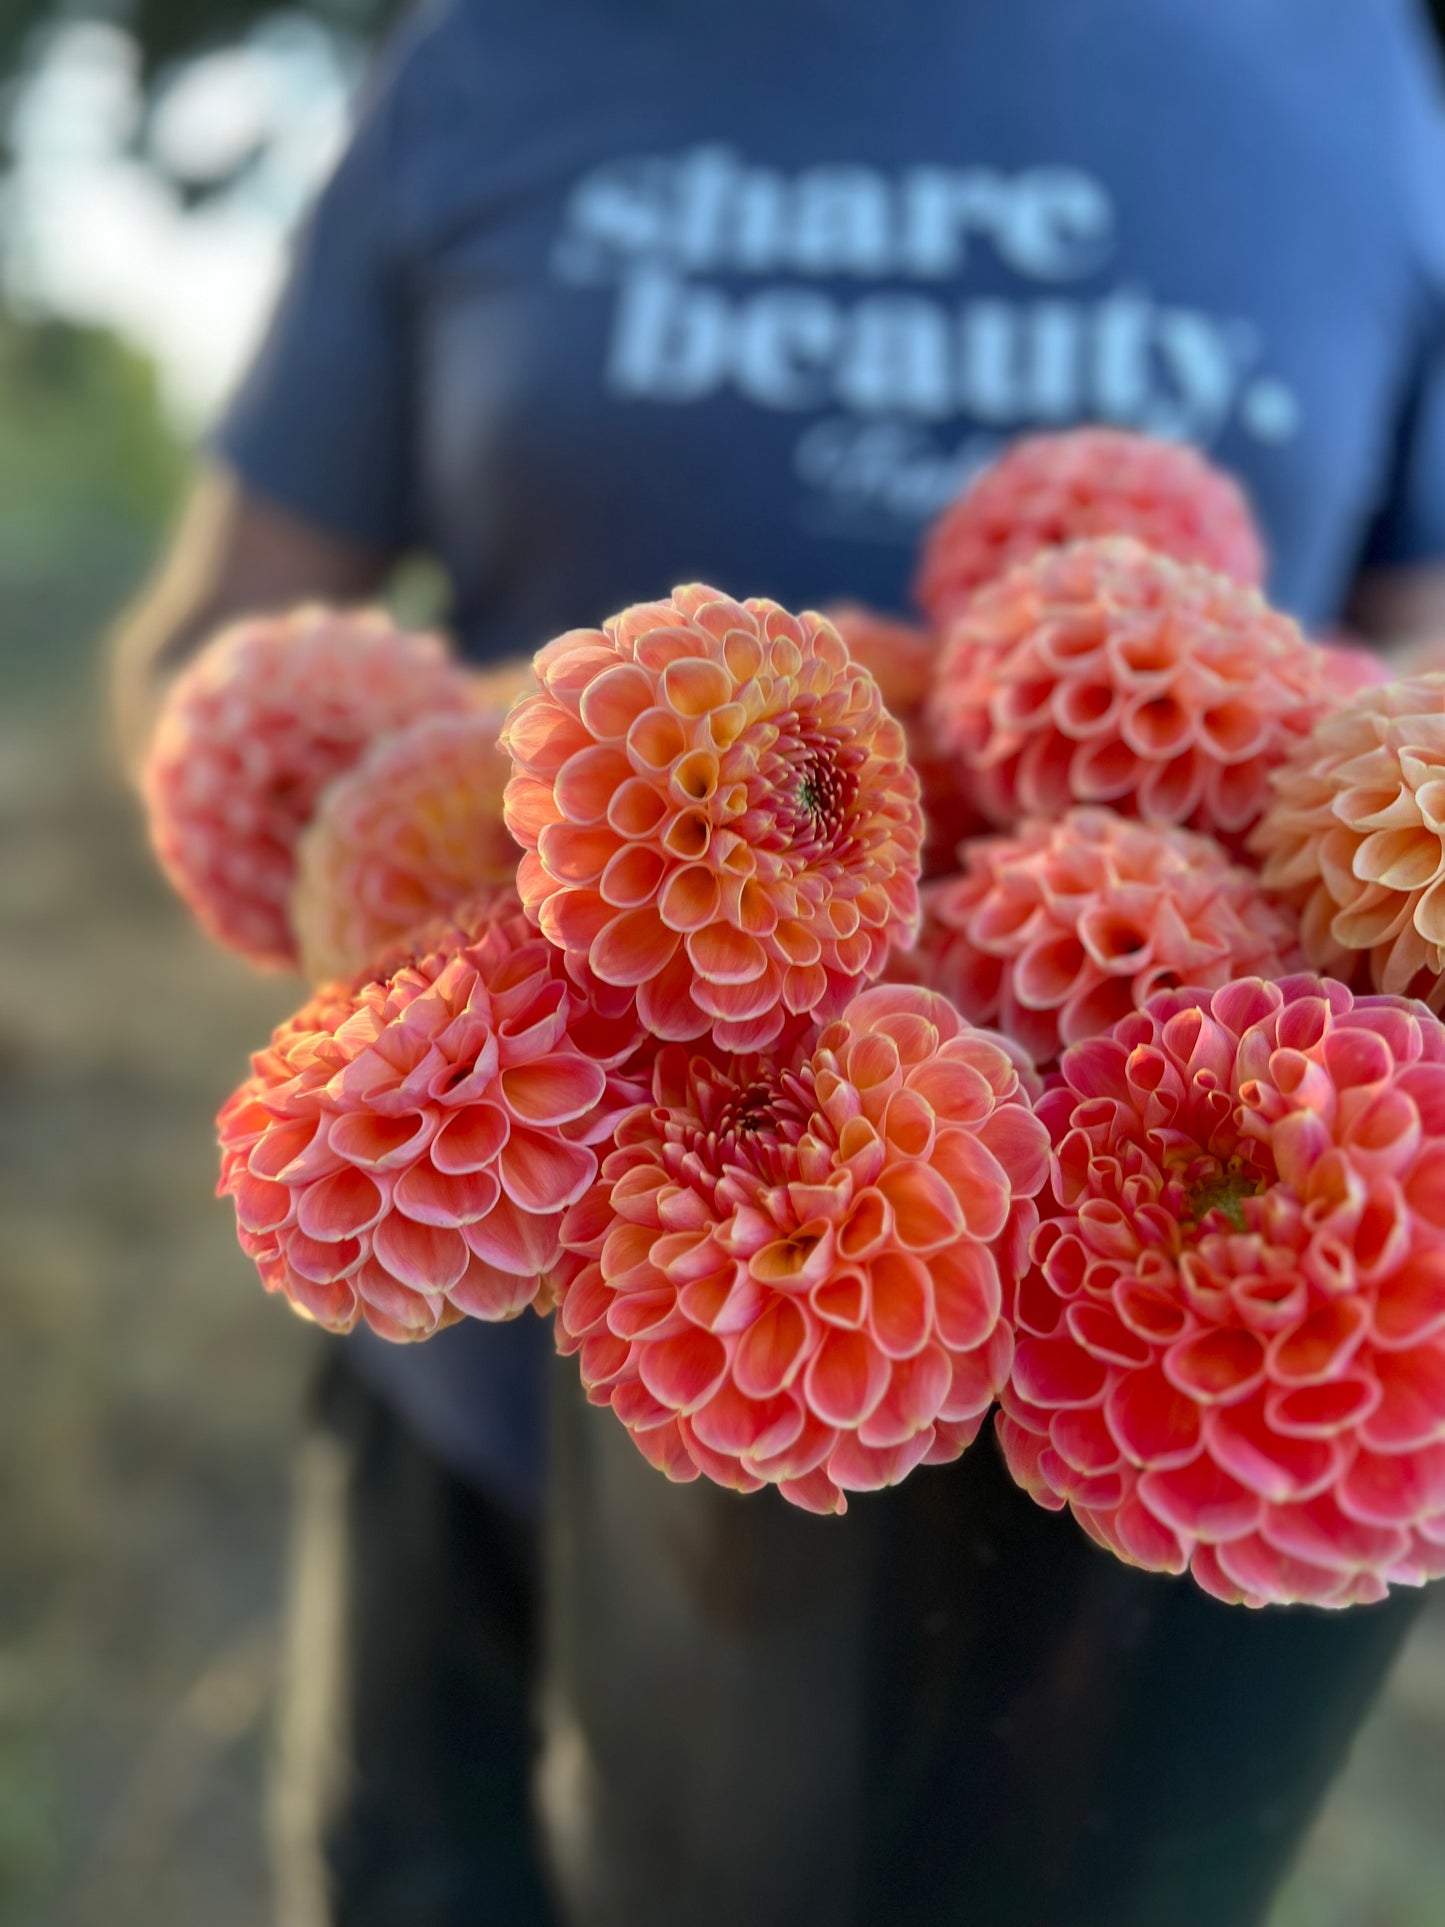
(1104, 673)
(408, 834)
(1056, 932)
(404, 1151)
(1354, 840)
(1047, 490)
(717, 812)
(902, 660)
(1231, 1343)
(790, 1271)
(251, 733)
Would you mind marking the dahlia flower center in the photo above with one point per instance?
(752, 1133)
(1222, 1186)
(815, 788)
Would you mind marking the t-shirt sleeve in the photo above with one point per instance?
(1410, 527)
(321, 423)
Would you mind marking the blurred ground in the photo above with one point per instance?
(148, 1393)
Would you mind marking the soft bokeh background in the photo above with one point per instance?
(155, 156)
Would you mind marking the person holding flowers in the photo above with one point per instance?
(669, 1065)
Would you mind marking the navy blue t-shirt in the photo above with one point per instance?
(612, 294)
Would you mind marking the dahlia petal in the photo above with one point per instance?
(1411, 1408)
(1216, 1367)
(769, 1353)
(1279, 1467)
(815, 1492)
(684, 1371)
(1319, 1533)
(1081, 1437)
(1323, 1411)
(260, 1205)
(514, 1240)
(470, 1140)
(1389, 1489)
(340, 1206)
(1200, 1500)
(1154, 1423)
(430, 1196)
(552, 1090)
(967, 1293)
(845, 1378)
(1051, 1374)
(322, 1262)
(1267, 1576)
(543, 1173)
(1410, 1306)
(1322, 1346)
(926, 1210)
(425, 1257)
(901, 1309)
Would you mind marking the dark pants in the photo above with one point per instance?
(401, 1795)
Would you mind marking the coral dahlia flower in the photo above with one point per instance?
(1354, 839)
(404, 1151)
(1231, 1344)
(1104, 673)
(252, 731)
(791, 1269)
(903, 660)
(1047, 490)
(414, 830)
(718, 812)
(1056, 932)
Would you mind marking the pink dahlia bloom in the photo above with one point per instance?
(718, 812)
(1104, 673)
(253, 730)
(1354, 840)
(404, 1151)
(903, 660)
(790, 1272)
(414, 830)
(1231, 1344)
(1047, 490)
(1058, 931)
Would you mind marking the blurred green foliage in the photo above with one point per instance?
(90, 471)
(83, 442)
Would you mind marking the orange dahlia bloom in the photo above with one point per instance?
(403, 1152)
(718, 812)
(1354, 840)
(414, 830)
(1231, 1344)
(1058, 931)
(252, 731)
(791, 1269)
(1051, 489)
(903, 660)
(1104, 673)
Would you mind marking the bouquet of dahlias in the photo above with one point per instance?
(631, 1008)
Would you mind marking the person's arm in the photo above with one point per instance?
(233, 553)
(307, 493)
